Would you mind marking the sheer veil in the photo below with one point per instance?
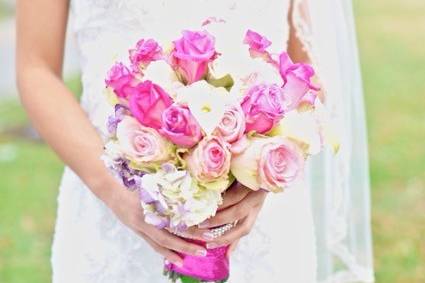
(339, 184)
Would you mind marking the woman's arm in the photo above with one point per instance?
(41, 28)
(56, 114)
(295, 47)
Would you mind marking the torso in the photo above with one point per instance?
(90, 244)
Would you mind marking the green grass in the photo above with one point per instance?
(30, 175)
(391, 38)
(5, 10)
(29, 183)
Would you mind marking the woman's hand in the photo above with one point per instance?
(126, 206)
(240, 204)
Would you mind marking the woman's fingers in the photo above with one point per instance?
(198, 234)
(166, 253)
(235, 212)
(234, 195)
(242, 229)
(229, 215)
(167, 240)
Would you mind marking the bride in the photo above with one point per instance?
(317, 232)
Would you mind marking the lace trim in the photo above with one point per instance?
(337, 234)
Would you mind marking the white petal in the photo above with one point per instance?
(206, 103)
(161, 73)
(304, 128)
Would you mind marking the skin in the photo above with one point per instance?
(41, 28)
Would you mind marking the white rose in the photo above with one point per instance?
(161, 73)
(302, 127)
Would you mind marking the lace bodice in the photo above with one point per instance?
(91, 245)
(118, 24)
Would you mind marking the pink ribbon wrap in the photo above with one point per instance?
(212, 267)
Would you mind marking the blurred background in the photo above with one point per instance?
(391, 36)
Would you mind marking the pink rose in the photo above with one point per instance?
(210, 160)
(263, 107)
(192, 53)
(257, 43)
(120, 79)
(180, 127)
(281, 163)
(140, 144)
(146, 51)
(147, 104)
(272, 164)
(232, 125)
(297, 78)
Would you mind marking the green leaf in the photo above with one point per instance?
(226, 82)
(186, 279)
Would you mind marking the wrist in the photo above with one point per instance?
(105, 187)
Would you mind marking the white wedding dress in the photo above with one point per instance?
(90, 244)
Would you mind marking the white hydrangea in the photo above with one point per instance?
(172, 195)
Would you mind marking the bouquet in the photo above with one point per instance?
(188, 122)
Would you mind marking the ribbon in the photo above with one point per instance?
(212, 267)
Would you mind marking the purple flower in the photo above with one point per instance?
(116, 118)
(154, 219)
(145, 197)
(128, 176)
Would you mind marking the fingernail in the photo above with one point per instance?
(203, 224)
(208, 236)
(178, 263)
(201, 252)
(211, 245)
(167, 262)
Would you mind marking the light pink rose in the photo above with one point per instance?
(272, 164)
(180, 127)
(297, 78)
(210, 160)
(192, 53)
(140, 144)
(239, 146)
(281, 163)
(308, 100)
(146, 51)
(232, 125)
(147, 104)
(120, 79)
(263, 107)
(258, 43)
